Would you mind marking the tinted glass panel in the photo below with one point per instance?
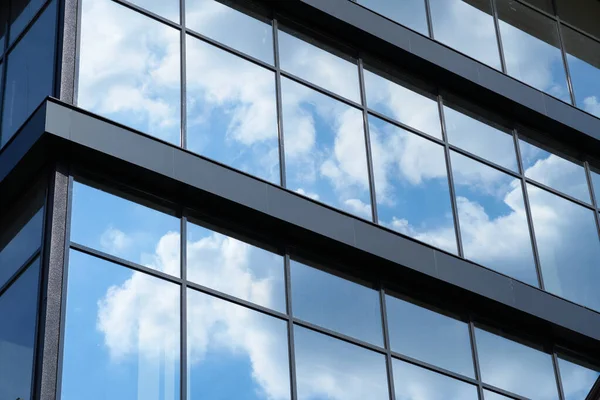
(232, 114)
(428, 336)
(531, 48)
(129, 69)
(325, 149)
(18, 315)
(165, 8)
(235, 352)
(577, 380)
(404, 105)
(554, 171)
(123, 326)
(568, 245)
(234, 267)
(327, 368)
(336, 303)
(4, 9)
(22, 12)
(544, 5)
(410, 13)
(125, 229)
(504, 363)
(412, 382)
(318, 66)
(477, 38)
(488, 395)
(214, 19)
(583, 14)
(29, 74)
(596, 184)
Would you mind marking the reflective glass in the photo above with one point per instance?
(215, 19)
(577, 380)
(129, 69)
(4, 10)
(544, 5)
(318, 66)
(336, 303)
(567, 241)
(480, 138)
(234, 267)
(327, 368)
(583, 56)
(505, 363)
(410, 13)
(125, 229)
(488, 395)
(402, 104)
(596, 184)
(493, 220)
(18, 316)
(412, 382)
(29, 73)
(582, 14)
(531, 48)
(235, 352)
(325, 151)
(411, 182)
(165, 8)
(477, 38)
(429, 336)
(554, 171)
(231, 110)
(21, 14)
(121, 333)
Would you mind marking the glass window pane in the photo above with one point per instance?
(477, 38)
(531, 48)
(410, 13)
(577, 380)
(554, 171)
(327, 368)
(18, 308)
(4, 10)
(29, 73)
(235, 352)
(325, 151)
(567, 240)
(129, 69)
(504, 363)
(544, 5)
(583, 56)
(596, 184)
(22, 12)
(121, 333)
(480, 138)
(336, 303)
(404, 105)
(411, 182)
(232, 110)
(429, 336)
(125, 229)
(489, 395)
(412, 382)
(318, 66)
(493, 221)
(582, 14)
(165, 8)
(235, 267)
(215, 19)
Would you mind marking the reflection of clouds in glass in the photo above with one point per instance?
(165, 8)
(577, 380)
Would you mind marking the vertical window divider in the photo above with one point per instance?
(386, 343)
(183, 373)
(369, 153)
(290, 326)
(4, 67)
(498, 36)
(475, 356)
(559, 386)
(429, 18)
(77, 62)
(183, 75)
(282, 177)
(563, 52)
(588, 176)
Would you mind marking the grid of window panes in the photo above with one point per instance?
(163, 307)
(285, 108)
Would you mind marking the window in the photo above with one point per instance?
(577, 379)
(22, 12)
(583, 14)
(167, 8)
(410, 13)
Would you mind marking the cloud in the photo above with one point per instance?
(359, 208)
(115, 241)
(311, 195)
(591, 105)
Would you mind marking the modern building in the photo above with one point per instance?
(300, 199)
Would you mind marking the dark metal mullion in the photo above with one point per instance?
(183, 76)
(290, 327)
(20, 270)
(279, 100)
(498, 36)
(503, 392)
(434, 368)
(559, 386)
(183, 373)
(588, 175)
(563, 52)
(367, 133)
(402, 125)
(77, 53)
(386, 343)
(475, 354)
(429, 18)
(4, 68)
(147, 13)
(557, 193)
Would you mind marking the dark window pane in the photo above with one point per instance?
(21, 14)
(234, 267)
(336, 303)
(544, 5)
(428, 336)
(412, 382)
(568, 245)
(122, 328)
(505, 363)
(215, 20)
(18, 315)
(577, 380)
(129, 69)
(235, 352)
(4, 10)
(125, 229)
(531, 48)
(165, 8)
(232, 111)
(410, 13)
(582, 14)
(411, 181)
(29, 74)
(325, 151)
(467, 26)
(327, 368)
(493, 221)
